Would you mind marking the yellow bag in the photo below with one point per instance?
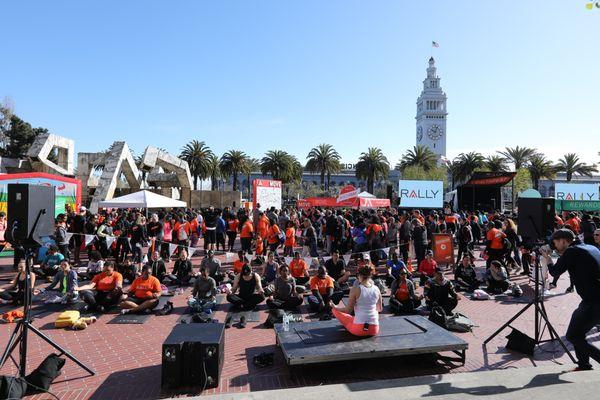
(66, 319)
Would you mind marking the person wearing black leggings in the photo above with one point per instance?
(247, 291)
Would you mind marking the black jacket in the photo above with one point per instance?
(583, 263)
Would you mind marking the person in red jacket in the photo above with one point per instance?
(427, 267)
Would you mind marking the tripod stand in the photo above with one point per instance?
(540, 316)
(19, 335)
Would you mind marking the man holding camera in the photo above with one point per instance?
(583, 263)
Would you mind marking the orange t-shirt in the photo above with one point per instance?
(232, 225)
(402, 292)
(263, 226)
(290, 237)
(321, 284)
(247, 230)
(574, 223)
(374, 228)
(259, 244)
(496, 236)
(105, 283)
(237, 266)
(273, 236)
(298, 268)
(145, 288)
(194, 225)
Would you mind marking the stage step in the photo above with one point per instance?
(548, 383)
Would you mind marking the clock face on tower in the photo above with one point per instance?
(419, 133)
(435, 132)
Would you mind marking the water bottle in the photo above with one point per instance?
(286, 323)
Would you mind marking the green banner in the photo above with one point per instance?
(577, 205)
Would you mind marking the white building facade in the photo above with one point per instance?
(431, 113)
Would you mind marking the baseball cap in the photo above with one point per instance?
(82, 208)
(429, 253)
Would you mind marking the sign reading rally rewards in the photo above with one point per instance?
(267, 193)
(576, 191)
(421, 194)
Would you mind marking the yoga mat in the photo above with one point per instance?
(130, 319)
(251, 316)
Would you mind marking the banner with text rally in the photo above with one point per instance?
(421, 194)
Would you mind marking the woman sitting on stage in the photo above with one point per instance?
(366, 302)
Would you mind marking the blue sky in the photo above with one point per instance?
(261, 75)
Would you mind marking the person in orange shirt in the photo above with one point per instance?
(403, 299)
(232, 228)
(495, 243)
(143, 293)
(193, 221)
(322, 293)
(574, 223)
(246, 234)
(239, 263)
(273, 236)
(260, 245)
(263, 228)
(290, 239)
(299, 269)
(105, 290)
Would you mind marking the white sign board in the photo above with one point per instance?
(421, 194)
(267, 193)
(576, 191)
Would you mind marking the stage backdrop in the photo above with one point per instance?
(68, 190)
(267, 193)
(421, 194)
(576, 191)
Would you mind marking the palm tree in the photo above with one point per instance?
(197, 154)
(454, 170)
(539, 167)
(325, 160)
(518, 156)
(371, 166)
(467, 164)
(420, 156)
(215, 171)
(281, 166)
(252, 165)
(570, 165)
(233, 163)
(496, 163)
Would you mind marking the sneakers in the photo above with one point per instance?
(582, 368)
(228, 321)
(166, 310)
(124, 312)
(242, 323)
(552, 285)
(569, 289)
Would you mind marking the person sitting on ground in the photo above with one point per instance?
(213, 266)
(66, 279)
(269, 270)
(159, 270)
(182, 272)
(299, 269)
(247, 291)
(143, 293)
(204, 292)
(322, 293)
(285, 296)
(403, 299)
(365, 302)
(14, 292)
(465, 275)
(394, 266)
(497, 278)
(105, 290)
(427, 267)
(51, 264)
(439, 291)
(95, 264)
(239, 264)
(337, 270)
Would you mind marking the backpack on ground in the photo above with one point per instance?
(438, 316)
(459, 323)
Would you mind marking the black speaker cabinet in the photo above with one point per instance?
(536, 218)
(192, 355)
(24, 203)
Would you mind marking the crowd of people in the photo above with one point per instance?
(283, 256)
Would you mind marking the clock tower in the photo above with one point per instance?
(431, 113)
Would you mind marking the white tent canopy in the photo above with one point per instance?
(142, 199)
(366, 195)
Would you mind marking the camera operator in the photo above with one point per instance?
(583, 263)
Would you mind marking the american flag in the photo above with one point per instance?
(435, 44)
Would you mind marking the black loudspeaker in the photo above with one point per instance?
(536, 218)
(24, 202)
(518, 341)
(192, 355)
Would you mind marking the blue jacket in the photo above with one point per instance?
(221, 225)
(583, 263)
(58, 280)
